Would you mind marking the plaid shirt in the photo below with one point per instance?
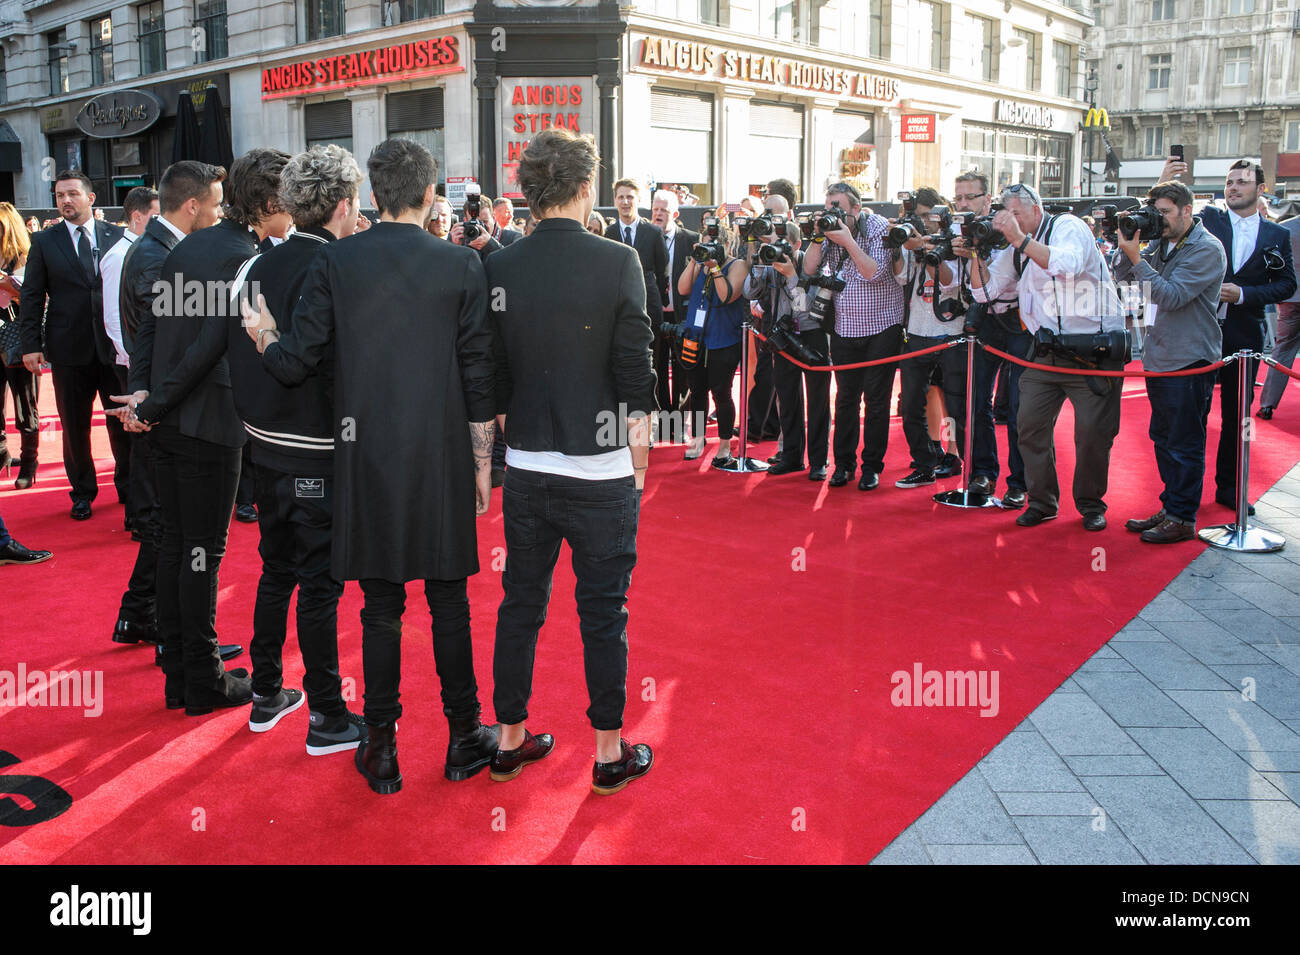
(866, 306)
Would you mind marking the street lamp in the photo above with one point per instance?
(1090, 90)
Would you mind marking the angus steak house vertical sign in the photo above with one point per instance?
(527, 106)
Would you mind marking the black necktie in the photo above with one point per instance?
(627, 234)
(84, 253)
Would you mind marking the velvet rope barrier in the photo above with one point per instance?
(891, 360)
(1089, 372)
(1281, 367)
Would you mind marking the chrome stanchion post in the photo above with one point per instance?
(1241, 536)
(964, 496)
(743, 463)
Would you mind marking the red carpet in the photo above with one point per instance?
(767, 617)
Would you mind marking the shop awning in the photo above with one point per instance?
(1288, 165)
(11, 149)
(1130, 168)
(1216, 168)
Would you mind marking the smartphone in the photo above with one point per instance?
(1176, 151)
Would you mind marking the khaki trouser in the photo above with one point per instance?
(1096, 422)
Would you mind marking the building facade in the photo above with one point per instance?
(1218, 77)
(717, 95)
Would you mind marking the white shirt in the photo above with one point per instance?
(1245, 232)
(623, 228)
(669, 238)
(1072, 293)
(110, 271)
(75, 232)
(170, 228)
(586, 467)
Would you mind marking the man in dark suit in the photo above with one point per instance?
(1260, 271)
(63, 266)
(503, 214)
(197, 435)
(679, 241)
(575, 383)
(642, 235)
(404, 316)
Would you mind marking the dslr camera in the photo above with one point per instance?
(832, 218)
(710, 248)
(908, 225)
(979, 233)
(1145, 223)
(822, 306)
(473, 209)
(1087, 348)
(782, 337)
(778, 248)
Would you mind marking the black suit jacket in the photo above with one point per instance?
(653, 254)
(572, 344)
(1267, 276)
(74, 314)
(141, 267)
(683, 242)
(190, 377)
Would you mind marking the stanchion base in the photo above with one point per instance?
(967, 498)
(742, 466)
(1247, 540)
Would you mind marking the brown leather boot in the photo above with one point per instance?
(377, 759)
(471, 748)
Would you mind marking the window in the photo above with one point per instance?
(1236, 66)
(418, 115)
(211, 41)
(58, 46)
(1229, 135)
(153, 48)
(1064, 55)
(987, 51)
(1159, 65)
(1239, 7)
(680, 149)
(4, 88)
(1292, 142)
(322, 18)
(692, 11)
(1030, 41)
(404, 11)
(101, 51)
(329, 123)
(880, 29)
(938, 42)
(1153, 141)
(1162, 9)
(776, 19)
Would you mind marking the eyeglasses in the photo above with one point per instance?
(974, 195)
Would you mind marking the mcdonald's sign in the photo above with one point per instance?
(1096, 118)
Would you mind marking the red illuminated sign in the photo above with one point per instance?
(407, 61)
(918, 129)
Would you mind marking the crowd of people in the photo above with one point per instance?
(275, 389)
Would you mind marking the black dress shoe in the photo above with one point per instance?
(1231, 504)
(1265, 412)
(1094, 521)
(817, 473)
(635, 762)
(16, 553)
(840, 477)
(246, 514)
(949, 466)
(1014, 498)
(509, 763)
(785, 467)
(1032, 518)
(231, 691)
(81, 511)
(128, 631)
(869, 481)
(981, 484)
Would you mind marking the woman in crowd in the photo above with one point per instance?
(596, 224)
(716, 290)
(14, 244)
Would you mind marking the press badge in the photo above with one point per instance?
(1149, 313)
(700, 315)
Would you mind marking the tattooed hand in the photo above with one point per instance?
(481, 434)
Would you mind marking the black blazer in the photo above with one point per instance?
(190, 377)
(1267, 276)
(141, 267)
(653, 254)
(572, 344)
(74, 316)
(683, 242)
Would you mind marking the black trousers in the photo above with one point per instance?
(663, 360)
(139, 603)
(853, 387)
(1225, 464)
(764, 416)
(790, 381)
(916, 374)
(295, 515)
(599, 520)
(381, 650)
(712, 376)
(75, 387)
(196, 492)
(246, 493)
(26, 389)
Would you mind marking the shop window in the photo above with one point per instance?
(211, 38)
(321, 18)
(57, 42)
(681, 141)
(404, 11)
(1064, 55)
(327, 123)
(1153, 141)
(1229, 137)
(1162, 9)
(1236, 66)
(418, 116)
(853, 151)
(775, 143)
(153, 43)
(101, 51)
(1159, 66)
(880, 29)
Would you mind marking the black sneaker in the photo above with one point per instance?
(918, 478)
(16, 553)
(267, 710)
(337, 734)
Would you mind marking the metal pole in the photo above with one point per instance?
(964, 496)
(743, 463)
(1241, 536)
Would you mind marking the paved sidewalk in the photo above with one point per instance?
(1177, 743)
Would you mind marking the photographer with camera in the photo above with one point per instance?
(856, 296)
(1182, 269)
(996, 321)
(476, 226)
(773, 282)
(710, 332)
(1068, 301)
(929, 308)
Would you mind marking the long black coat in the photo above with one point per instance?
(407, 315)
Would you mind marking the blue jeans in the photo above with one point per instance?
(599, 520)
(984, 443)
(4, 534)
(1179, 409)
